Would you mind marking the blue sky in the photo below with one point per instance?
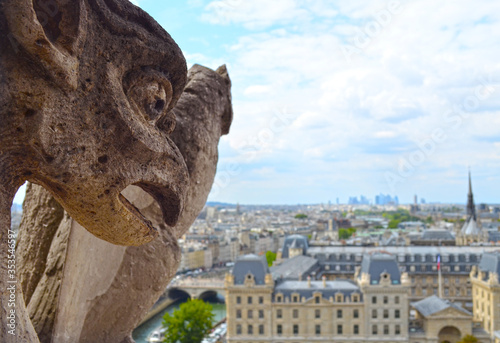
(341, 98)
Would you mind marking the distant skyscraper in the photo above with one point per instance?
(382, 199)
(415, 200)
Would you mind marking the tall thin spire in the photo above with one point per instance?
(471, 208)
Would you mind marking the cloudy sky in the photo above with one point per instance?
(340, 98)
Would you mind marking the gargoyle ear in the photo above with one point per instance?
(51, 32)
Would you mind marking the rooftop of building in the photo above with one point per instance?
(327, 288)
(294, 241)
(437, 235)
(294, 268)
(434, 304)
(490, 262)
(379, 263)
(250, 264)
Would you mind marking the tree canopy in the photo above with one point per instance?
(188, 324)
(300, 216)
(346, 233)
(469, 339)
(270, 257)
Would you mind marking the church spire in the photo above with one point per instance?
(471, 208)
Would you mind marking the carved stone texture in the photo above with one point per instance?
(86, 93)
(122, 284)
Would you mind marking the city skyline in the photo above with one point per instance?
(333, 99)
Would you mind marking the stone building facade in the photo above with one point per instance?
(275, 305)
(486, 293)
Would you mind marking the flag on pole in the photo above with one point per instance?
(439, 262)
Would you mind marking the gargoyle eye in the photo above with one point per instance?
(151, 94)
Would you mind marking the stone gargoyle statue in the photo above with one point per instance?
(87, 96)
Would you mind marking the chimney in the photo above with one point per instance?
(324, 281)
(308, 281)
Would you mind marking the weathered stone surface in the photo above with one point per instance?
(86, 93)
(121, 284)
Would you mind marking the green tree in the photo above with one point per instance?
(469, 339)
(346, 233)
(393, 224)
(188, 324)
(300, 216)
(270, 257)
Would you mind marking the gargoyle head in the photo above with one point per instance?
(87, 89)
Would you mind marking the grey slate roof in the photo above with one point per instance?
(490, 262)
(250, 264)
(493, 236)
(377, 263)
(434, 304)
(297, 241)
(437, 235)
(346, 287)
(295, 268)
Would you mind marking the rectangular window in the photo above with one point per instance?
(317, 313)
(261, 329)
(279, 329)
(374, 300)
(316, 300)
(261, 300)
(295, 329)
(261, 313)
(355, 314)
(238, 313)
(250, 314)
(374, 314)
(249, 300)
(250, 329)
(355, 329)
(386, 314)
(279, 314)
(238, 300)
(238, 329)
(396, 314)
(397, 330)
(386, 329)
(339, 329)
(339, 313)
(396, 299)
(374, 330)
(295, 299)
(295, 313)
(318, 330)
(386, 300)
(278, 299)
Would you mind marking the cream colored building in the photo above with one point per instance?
(261, 308)
(486, 292)
(277, 306)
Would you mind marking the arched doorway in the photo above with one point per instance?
(449, 334)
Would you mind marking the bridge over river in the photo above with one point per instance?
(195, 288)
(177, 292)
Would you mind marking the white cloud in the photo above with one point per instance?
(426, 61)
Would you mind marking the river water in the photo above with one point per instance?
(141, 333)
